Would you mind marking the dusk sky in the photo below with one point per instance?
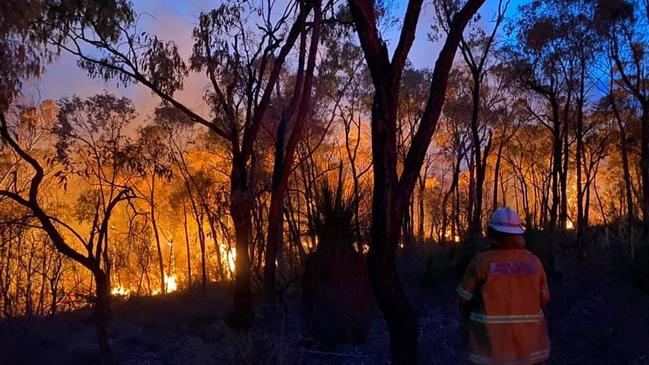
(174, 20)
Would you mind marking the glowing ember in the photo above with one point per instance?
(449, 233)
(569, 225)
(120, 290)
(170, 283)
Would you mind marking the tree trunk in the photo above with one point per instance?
(563, 178)
(156, 234)
(201, 243)
(581, 222)
(199, 224)
(275, 239)
(241, 202)
(628, 187)
(475, 228)
(406, 226)
(391, 192)
(471, 193)
(556, 169)
(494, 204)
(451, 189)
(645, 172)
(387, 217)
(421, 211)
(102, 316)
(189, 256)
(284, 155)
(556, 165)
(220, 274)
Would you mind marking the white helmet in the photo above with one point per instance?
(506, 220)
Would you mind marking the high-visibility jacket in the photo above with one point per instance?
(505, 289)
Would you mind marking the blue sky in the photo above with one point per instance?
(174, 20)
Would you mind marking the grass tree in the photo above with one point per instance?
(336, 297)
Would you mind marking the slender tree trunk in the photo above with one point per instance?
(199, 222)
(201, 244)
(582, 220)
(494, 204)
(156, 234)
(217, 247)
(189, 256)
(556, 169)
(421, 210)
(628, 188)
(589, 179)
(454, 183)
(284, 155)
(351, 155)
(471, 192)
(406, 226)
(602, 211)
(556, 165)
(475, 228)
(563, 177)
(645, 172)
(503, 189)
(456, 227)
(563, 174)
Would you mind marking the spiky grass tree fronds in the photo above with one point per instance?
(337, 299)
(333, 221)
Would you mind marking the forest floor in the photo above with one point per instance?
(595, 317)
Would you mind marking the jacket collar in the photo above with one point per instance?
(509, 242)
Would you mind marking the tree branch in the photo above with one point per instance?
(421, 140)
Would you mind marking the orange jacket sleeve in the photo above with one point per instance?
(544, 290)
(467, 287)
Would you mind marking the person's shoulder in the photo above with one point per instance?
(531, 256)
(529, 253)
(485, 255)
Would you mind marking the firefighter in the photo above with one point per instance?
(501, 298)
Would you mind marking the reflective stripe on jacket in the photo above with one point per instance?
(507, 289)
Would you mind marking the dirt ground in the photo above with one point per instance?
(595, 317)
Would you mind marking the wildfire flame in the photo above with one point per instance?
(569, 225)
(120, 290)
(456, 238)
(232, 258)
(170, 283)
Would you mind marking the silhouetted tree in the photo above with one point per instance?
(392, 192)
